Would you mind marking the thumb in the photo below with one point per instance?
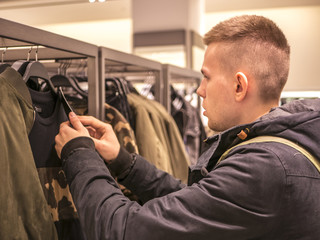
(75, 122)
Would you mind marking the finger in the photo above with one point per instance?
(64, 124)
(91, 131)
(75, 122)
(57, 145)
(91, 121)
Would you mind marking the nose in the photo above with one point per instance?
(201, 89)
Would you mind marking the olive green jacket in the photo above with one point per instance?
(158, 137)
(24, 211)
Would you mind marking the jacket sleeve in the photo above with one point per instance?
(229, 203)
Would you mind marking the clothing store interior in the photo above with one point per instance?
(107, 59)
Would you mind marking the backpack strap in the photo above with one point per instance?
(311, 158)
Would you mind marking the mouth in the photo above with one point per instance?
(204, 111)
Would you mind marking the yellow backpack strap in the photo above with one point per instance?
(312, 159)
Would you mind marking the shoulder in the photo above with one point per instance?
(252, 172)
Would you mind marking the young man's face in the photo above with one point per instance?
(216, 89)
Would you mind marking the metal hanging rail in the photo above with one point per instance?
(113, 61)
(52, 46)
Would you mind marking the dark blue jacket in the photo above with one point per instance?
(260, 191)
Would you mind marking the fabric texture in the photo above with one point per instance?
(24, 212)
(122, 128)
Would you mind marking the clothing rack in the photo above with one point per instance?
(16, 38)
(172, 74)
(113, 62)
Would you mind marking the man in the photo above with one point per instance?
(260, 190)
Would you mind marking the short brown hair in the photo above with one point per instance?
(259, 44)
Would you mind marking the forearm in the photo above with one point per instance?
(92, 188)
(148, 182)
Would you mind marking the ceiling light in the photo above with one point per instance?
(92, 1)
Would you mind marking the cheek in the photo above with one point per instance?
(218, 97)
(213, 92)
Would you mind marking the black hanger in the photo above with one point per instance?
(20, 66)
(32, 70)
(60, 80)
(36, 69)
(76, 81)
(66, 106)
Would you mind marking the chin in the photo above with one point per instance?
(215, 127)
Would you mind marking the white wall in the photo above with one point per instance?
(105, 24)
(301, 26)
(115, 34)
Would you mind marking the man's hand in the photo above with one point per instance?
(104, 138)
(68, 131)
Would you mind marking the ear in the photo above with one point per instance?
(241, 87)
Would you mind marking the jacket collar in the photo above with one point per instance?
(278, 122)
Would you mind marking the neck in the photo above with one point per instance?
(256, 111)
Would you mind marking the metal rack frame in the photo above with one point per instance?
(55, 47)
(131, 64)
(99, 59)
(170, 74)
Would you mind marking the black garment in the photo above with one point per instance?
(116, 90)
(49, 115)
(190, 125)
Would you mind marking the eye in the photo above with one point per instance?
(205, 76)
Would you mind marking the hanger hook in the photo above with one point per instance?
(37, 53)
(3, 53)
(29, 52)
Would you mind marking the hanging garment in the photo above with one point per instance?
(24, 212)
(116, 96)
(189, 124)
(158, 137)
(122, 128)
(125, 136)
(178, 156)
(49, 115)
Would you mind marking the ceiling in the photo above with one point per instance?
(48, 12)
(210, 5)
